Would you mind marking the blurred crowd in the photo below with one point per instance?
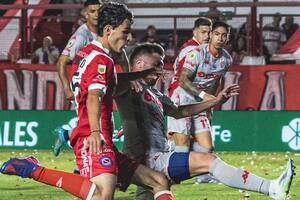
(50, 36)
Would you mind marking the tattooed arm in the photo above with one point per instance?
(192, 109)
(188, 74)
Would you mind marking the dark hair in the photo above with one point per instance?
(150, 27)
(92, 2)
(112, 14)
(145, 48)
(217, 24)
(202, 21)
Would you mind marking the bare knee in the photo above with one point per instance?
(105, 186)
(181, 139)
(200, 163)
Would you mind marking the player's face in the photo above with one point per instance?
(201, 34)
(153, 60)
(219, 37)
(92, 14)
(119, 36)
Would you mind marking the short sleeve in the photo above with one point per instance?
(192, 60)
(167, 104)
(75, 43)
(97, 77)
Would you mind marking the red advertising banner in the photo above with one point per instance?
(268, 87)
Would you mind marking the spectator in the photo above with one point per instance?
(170, 50)
(47, 54)
(239, 50)
(289, 27)
(273, 35)
(151, 35)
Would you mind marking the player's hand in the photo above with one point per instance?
(135, 85)
(95, 142)
(69, 94)
(229, 91)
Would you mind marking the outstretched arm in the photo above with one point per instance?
(193, 109)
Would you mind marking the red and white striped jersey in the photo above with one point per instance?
(93, 69)
(207, 68)
(185, 49)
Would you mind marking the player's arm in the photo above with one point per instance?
(193, 109)
(122, 59)
(61, 67)
(93, 104)
(189, 69)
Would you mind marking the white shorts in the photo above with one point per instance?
(175, 165)
(159, 162)
(189, 125)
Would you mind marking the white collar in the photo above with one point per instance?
(98, 44)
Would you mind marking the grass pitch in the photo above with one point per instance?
(268, 165)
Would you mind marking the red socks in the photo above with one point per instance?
(73, 183)
(163, 195)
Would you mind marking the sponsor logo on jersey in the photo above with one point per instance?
(105, 161)
(101, 69)
(192, 55)
(213, 75)
(85, 160)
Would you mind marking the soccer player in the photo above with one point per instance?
(82, 37)
(179, 166)
(93, 82)
(201, 71)
(201, 31)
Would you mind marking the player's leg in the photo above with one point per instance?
(130, 171)
(200, 163)
(72, 183)
(143, 194)
(105, 183)
(203, 143)
(149, 178)
(101, 168)
(62, 135)
(180, 131)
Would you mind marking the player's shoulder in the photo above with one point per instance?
(190, 42)
(226, 54)
(199, 49)
(83, 29)
(98, 53)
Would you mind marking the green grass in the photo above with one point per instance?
(268, 165)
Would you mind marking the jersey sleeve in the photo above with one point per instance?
(192, 60)
(97, 77)
(75, 43)
(167, 104)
